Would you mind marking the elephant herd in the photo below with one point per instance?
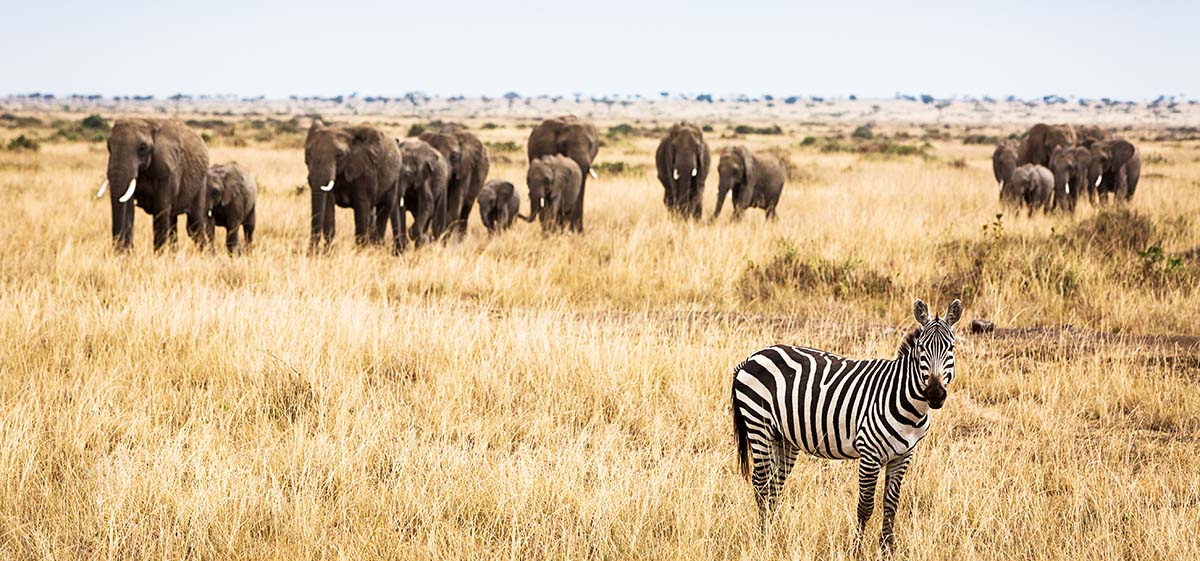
(163, 167)
(1051, 166)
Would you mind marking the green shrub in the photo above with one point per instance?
(23, 143)
(504, 146)
(863, 132)
(94, 123)
(489, 126)
(786, 269)
(618, 168)
(20, 122)
(747, 129)
(620, 130)
(415, 130)
(808, 141)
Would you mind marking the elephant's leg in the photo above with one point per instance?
(440, 217)
(198, 224)
(363, 212)
(577, 213)
(771, 215)
(380, 222)
(231, 239)
(454, 203)
(399, 240)
(248, 227)
(163, 217)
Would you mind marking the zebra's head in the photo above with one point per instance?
(934, 349)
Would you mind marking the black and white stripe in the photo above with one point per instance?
(787, 399)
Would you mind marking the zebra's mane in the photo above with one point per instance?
(906, 345)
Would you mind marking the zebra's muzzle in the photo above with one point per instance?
(935, 394)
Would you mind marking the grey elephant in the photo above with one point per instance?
(161, 166)
(1115, 169)
(554, 189)
(1041, 140)
(1004, 161)
(756, 180)
(232, 196)
(354, 167)
(1087, 134)
(424, 180)
(1069, 164)
(1031, 185)
(468, 164)
(574, 138)
(682, 160)
(499, 204)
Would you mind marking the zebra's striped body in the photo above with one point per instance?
(791, 399)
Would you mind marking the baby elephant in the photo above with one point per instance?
(231, 197)
(554, 182)
(498, 205)
(1031, 185)
(756, 181)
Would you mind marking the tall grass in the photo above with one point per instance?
(533, 397)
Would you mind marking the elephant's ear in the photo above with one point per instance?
(316, 125)
(232, 182)
(662, 160)
(1120, 151)
(750, 166)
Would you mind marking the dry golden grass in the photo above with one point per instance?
(566, 397)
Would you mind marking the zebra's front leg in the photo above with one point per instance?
(868, 474)
(891, 500)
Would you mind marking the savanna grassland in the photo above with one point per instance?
(567, 397)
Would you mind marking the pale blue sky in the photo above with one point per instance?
(470, 47)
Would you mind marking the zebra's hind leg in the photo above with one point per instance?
(868, 474)
(891, 500)
(785, 458)
(762, 453)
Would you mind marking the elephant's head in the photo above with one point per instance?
(686, 156)
(220, 182)
(446, 142)
(1068, 163)
(131, 151)
(1041, 140)
(737, 168)
(545, 189)
(1004, 160)
(1107, 158)
(326, 150)
(1012, 192)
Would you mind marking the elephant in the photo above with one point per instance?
(499, 204)
(468, 163)
(1115, 168)
(756, 181)
(1069, 164)
(160, 165)
(232, 194)
(682, 160)
(1087, 134)
(424, 180)
(1031, 185)
(1004, 161)
(554, 189)
(1040, 142)
(358, 167)
(574, 138)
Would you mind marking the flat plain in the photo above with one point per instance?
(528, 396)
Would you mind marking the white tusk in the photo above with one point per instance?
(1068, 187)
(1001, 184)
(541, 202)
(1098, 180)
(592, 173)
(103, 188)
(676, 174)
(401, 203)
(693, 172)
(129, 192)
(328, 187)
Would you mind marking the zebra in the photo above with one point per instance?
(787, 399)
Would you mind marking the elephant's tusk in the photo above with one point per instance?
(541, 202)
(129, 192)
(328, 187)
(402, 202)
(1098, 180)
(676, 175)
(693, 172)
(103, 188)
(1001, 184)
(1068, 187)
(592, 173)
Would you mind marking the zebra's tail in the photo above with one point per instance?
(739, 430)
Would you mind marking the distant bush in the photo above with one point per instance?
(77, 132)
(20, 122)
(504, 146)
(863, 132)
(981, 139)
(94, 123)
(415, 130)
(808, 141)
(881, 147)
(786, 269)
(618, 168)
(620, 130)
(707, 128)
(23, 143)
(489, 126)
(747, 129)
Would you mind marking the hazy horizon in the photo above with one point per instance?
(275, 49)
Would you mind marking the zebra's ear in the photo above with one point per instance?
(921, 312)
(954, 313)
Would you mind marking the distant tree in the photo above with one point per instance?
(926, 99)
(512, 97)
